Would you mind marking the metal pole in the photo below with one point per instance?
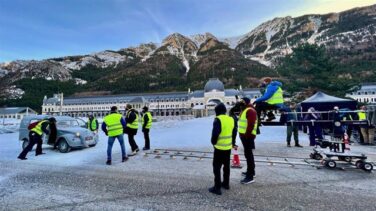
(61, 103)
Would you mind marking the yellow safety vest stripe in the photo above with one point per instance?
(93, 125)
(114, 126)
(38, 128)
(148, 125)
(362, 115)
(243, 123)
(134, 124)
(225, 137)
(276, 98)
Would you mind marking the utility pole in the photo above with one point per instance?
(61, 103)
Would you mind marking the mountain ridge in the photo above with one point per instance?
(349, 37)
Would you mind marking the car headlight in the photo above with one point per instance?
(78, 134)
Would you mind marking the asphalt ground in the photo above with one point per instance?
(147, 183)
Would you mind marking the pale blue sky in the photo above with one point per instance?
(39, 29)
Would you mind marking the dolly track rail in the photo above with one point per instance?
(170, 151)
(186, 154)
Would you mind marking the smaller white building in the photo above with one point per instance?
(366, 94)
(16, 112)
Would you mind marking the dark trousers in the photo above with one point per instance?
(249, 145)
(263, 107)
(290, 131)
(147, 138)
(314, 132)
(132, 142)
(221, 157)
(33, 139)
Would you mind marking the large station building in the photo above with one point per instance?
(196, 103)
(366, 94)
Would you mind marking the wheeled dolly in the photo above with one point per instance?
(346, 157)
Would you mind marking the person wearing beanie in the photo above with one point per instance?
(223, 139)
(272, 99)
(247, 126)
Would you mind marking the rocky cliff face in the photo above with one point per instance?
(349, 31)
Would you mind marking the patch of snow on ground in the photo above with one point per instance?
(194, 133)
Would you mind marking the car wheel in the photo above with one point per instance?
(25, 143)
(63, 146)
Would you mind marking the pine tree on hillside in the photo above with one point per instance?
(309, 68)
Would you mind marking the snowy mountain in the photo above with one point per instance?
(349, 31)
(181, 61)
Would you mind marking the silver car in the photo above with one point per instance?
(71, 133)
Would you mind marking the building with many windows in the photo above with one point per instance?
(16, 112)
(366, 94)
(197, 103)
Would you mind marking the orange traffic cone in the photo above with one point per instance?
(236, 159)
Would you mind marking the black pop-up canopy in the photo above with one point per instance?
(323, 102)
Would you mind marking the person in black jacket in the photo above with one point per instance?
(222, 148)
(131, 118)
(35, 137)
(146, 125)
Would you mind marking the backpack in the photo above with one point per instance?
(33, 125)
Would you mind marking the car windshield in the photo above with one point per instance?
(67, 123)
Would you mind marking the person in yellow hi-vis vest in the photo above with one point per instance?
(272, 99)
(92, 124)
(368, 131)
(147, 120)
(35, 137)
(113, 126)
(247, 126)
(223, 139)
(131, 117)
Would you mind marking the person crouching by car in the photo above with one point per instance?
(223, 140)
(113, 126)
(35, 137)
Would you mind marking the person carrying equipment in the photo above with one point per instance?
(35, 137)
(147, 120)
(113, 126)
(92, 124)
(223, 139)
